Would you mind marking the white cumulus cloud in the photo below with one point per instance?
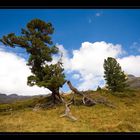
(85, 66)
(131, 64)
(87, 62)
(13, 76)
(89, 59)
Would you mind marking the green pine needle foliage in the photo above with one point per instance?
(36, 40)
(114, 76)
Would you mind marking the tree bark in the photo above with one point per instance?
(53, 97)
(56, 95)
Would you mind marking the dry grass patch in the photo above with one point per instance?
(98, 118)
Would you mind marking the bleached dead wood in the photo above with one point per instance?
(67, 109)
(37, 107)
(105, 102)
(89, 101)
(75, 90)
(86, 100)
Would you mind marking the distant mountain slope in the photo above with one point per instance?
(14, 97)
(133, 82)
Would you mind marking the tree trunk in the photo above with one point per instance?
(53, 97)
(56, 95)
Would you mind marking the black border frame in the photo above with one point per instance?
(71, 4)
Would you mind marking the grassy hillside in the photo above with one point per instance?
(98, 118)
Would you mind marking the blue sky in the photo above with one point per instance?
(75, 26)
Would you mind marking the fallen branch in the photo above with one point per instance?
(75, 90)
(67, 109)
(37, 107)
(105, 102)
(87, 100)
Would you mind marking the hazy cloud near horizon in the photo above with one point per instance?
(13, 76)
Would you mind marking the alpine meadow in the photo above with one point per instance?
(49, 83)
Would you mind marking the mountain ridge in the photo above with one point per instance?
(15, 97)
(133, 81)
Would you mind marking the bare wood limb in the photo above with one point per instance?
(75, 90)
(37, 107)
(67, 109)
(105, 102)
(89, 101)
(86, 100)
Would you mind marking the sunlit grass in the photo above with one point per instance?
(98, 118)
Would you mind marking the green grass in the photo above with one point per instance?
(98, 118)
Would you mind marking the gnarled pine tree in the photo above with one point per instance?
(37, 41)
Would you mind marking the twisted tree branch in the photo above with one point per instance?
(67, 109)
(86, 100)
